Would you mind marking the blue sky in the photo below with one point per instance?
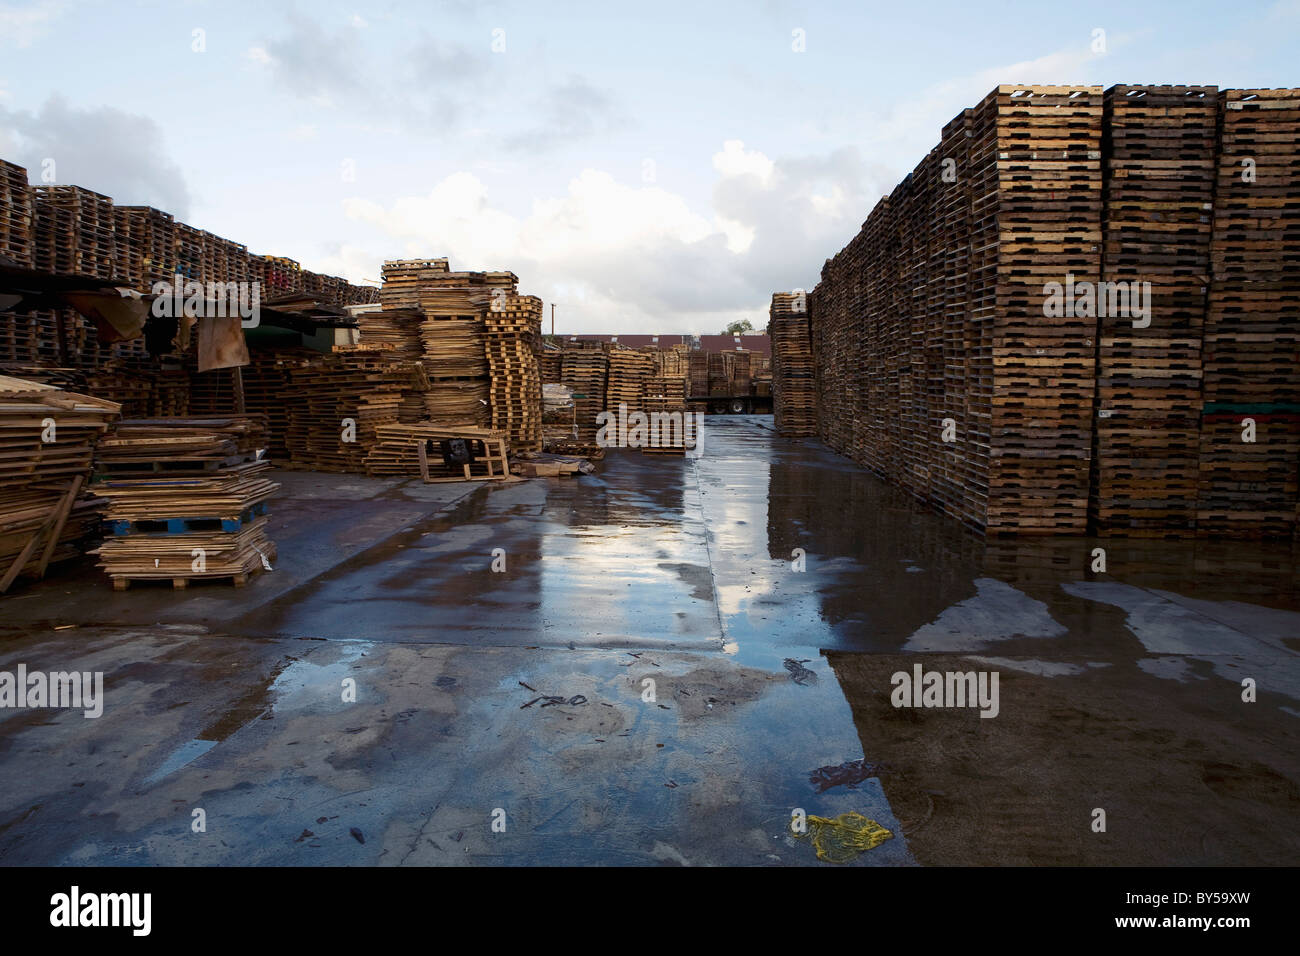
(648, 167)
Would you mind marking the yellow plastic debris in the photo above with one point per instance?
(841, 840)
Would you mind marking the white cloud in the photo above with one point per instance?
(23, 25)
(359, 21)
(258, 54)
(637, 257)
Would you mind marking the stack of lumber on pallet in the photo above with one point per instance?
(794, 411)
(1251, 350)
(584, 374)
(628, 371)
(439, 452)
(47, 443)
(512, 328)
(187, 499)
(1160, 171)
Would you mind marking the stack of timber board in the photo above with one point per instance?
(44, 517)
(793, 384)
(397, 451)
(584, 373)
(1251, 350)
(628, 371)
(1160, 172)
(512, 329)
(186, 499)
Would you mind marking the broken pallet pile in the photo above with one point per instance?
(47, 444)
(187, 499)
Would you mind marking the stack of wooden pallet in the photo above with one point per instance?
(1160, 159)
(550, 361)
(697, 367)
(794, 411)
(15, 214)
(439, 452)
(145, 245)
(1251, 351)
(279, 276)
(1037, 189)
(512, 328)
(670, 426)
(404, 279)
(628, 371)
(338, 402)
(47, 442)
(15, 244)
(187, 499)
(584, 373)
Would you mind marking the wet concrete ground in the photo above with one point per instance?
(1118, 691)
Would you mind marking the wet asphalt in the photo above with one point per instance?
(661, 663)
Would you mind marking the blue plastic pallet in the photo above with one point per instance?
(119, 526)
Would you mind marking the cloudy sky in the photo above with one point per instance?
(646, 166)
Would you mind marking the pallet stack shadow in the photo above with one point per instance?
(1251, 351)
(965, 350)
(47, 444)
(186, 499)
(793, 384)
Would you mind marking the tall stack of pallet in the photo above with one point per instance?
(794, 411)
(16, 244)
(186, 499)
(629, 370)
(1036, 169)
(146, 239)
(1010, 284)
(584, 374)
(513, 326)
(1251, 352)
(1160, 171)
